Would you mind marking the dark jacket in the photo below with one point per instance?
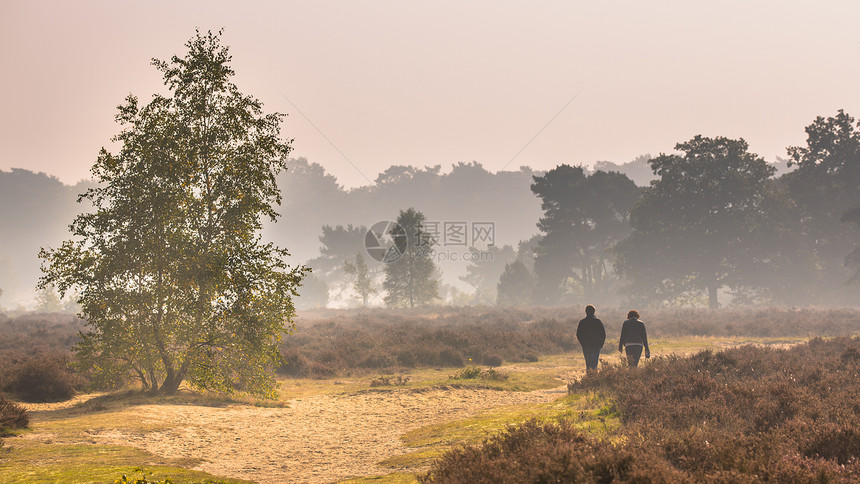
(633, 331)
(590, 333)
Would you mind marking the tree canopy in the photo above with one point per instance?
(852, 260)
(584, 215)
(170, 270)
(516, 285)
(484, 269)
(826, 187)
(694, 228)
(363, 283)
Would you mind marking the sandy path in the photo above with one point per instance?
(320, 438)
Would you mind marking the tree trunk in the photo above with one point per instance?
(153, 383)
(586, 282)
(713, 303)
(170, 386)
(411, 280)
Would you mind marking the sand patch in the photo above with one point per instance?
(321, 438)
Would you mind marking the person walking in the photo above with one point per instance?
(634, 339)
(591, 335)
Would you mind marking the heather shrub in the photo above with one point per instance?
(493, 375)
(831, 441)
(12, 416)
(543, 453)
(394, 340)
(474, 372)
(43, 378)
(744, 412)
(32, 333)
(468, 373)
(384, 381)
(28, 338)
(747, 414)
(294, 364)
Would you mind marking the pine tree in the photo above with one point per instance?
(410, 279)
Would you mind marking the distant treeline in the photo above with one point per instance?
(36, 209)
(705, 224)
(716, 225)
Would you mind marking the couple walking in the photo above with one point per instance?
(592, 335)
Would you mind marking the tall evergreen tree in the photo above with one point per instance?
(411, 278)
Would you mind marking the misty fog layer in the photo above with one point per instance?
(324, 224)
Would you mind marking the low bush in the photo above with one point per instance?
(543, 453)
(396, 340)
(43, 378)
(12, 416)
(493, 375)
(145, 478)
(474, 372)
(468, 373)
(385, 381)
(39, 344)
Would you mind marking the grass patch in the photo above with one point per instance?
(393, 478)
(591, 413)
(515, 382)
(531, 379)
(692, 344)
(34, 462)
(412, 459)
(76, 426)
(296, 389)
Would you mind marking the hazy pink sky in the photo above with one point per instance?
(428, 83)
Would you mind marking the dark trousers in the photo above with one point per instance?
(592, 356)
(634, 352)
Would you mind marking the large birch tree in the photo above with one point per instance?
(171, 274)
